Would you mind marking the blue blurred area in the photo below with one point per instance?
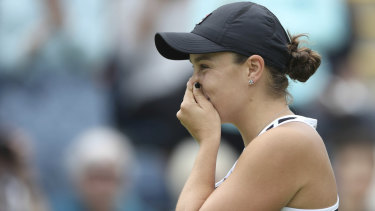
(67, 66)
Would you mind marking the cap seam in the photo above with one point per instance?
(233, 17)
(208, 39)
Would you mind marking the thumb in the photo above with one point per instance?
(199, 96)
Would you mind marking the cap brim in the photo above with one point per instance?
(178, 46)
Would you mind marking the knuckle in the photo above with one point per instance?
(179, 114)
(183, 106)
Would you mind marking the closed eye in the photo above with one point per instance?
(203, 66)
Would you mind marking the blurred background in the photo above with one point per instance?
(87, 105)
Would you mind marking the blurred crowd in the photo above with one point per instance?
(87, 105)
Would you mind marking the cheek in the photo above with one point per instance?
(212, 87)
(220, 95)
(224, 89)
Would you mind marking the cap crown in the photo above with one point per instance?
(247, 28)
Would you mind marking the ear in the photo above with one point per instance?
(255, 64)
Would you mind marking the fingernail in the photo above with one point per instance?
(197, 85)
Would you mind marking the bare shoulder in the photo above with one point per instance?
(293, 145)
(277, 169)
(293, 151)
(294, 157)
(291, 139)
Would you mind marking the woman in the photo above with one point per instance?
(241, 56)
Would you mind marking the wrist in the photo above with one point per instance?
(209, 138)
(210, 142)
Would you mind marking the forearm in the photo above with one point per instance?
(201, 182)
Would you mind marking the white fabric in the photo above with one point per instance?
(311, 122)
(296, 118)
(332, 208)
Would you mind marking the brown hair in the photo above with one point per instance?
(303, 63)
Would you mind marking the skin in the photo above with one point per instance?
(286, 166)
(354, 164)
(99, 186)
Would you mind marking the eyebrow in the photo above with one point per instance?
(202, 57)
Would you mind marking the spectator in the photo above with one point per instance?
(18, 188)
(99, 164)
(353, 159)
(182, 159)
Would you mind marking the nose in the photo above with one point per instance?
(194, 78)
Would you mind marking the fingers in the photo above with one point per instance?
(199, 96)
(194, 94)
(188, 97)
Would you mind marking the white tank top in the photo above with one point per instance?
(276, 123)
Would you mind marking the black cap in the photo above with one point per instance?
(245, 28)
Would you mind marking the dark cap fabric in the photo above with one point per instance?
(245, 28)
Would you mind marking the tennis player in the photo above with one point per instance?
(242, 56)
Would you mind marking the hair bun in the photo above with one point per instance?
(303, 62)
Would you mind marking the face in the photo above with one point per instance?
(354, 169)
(99, 186)
(223, 82)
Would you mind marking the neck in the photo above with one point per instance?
(254, 118)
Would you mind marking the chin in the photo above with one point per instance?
(226, 116)
(220, 111)
(223, 117)
(224, 120)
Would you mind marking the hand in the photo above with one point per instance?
(198, 115)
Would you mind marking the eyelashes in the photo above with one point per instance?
(202, 67)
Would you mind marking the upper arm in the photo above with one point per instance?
(267, 175)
